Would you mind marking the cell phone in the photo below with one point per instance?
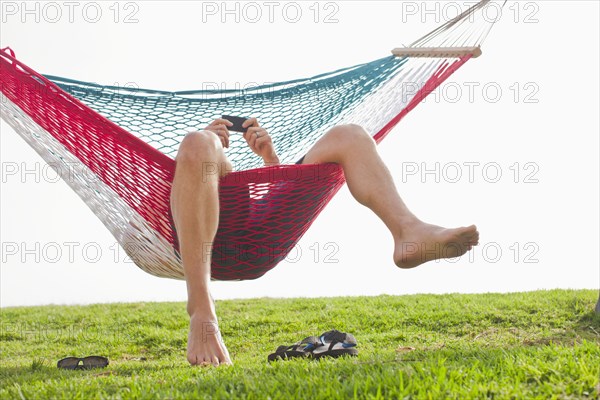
(237, 123)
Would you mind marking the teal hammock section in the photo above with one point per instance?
(296, 113)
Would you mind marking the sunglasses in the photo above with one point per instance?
(83, 363)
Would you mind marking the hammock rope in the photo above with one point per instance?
(294, 113)
(124, 142)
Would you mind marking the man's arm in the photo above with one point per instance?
(272, 160)
(260, 142)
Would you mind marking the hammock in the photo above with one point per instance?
(123, 142)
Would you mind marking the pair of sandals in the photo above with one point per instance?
(330, 344)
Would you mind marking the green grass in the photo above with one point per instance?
(524, 346)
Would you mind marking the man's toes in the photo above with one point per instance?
(472, 237)
(192, 359)
(465, 240)
(224, 358)
(467, 230)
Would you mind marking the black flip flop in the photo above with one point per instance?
(335, 344)
(300, 349)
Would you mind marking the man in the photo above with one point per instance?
(195, 209)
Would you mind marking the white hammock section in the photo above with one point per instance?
(146, 248)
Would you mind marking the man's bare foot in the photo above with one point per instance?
(421, 242)
(205, 344)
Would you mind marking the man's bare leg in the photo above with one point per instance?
(371, 184)
(195, 209)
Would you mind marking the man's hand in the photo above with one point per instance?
(219, 126)
(260, 142)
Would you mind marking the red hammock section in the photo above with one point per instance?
(264, 212)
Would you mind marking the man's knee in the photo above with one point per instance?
(202, 146)
(203, 151)
(350, 134)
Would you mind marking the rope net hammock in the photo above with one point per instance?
(124, 141)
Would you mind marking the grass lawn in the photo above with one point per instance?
(525, 346)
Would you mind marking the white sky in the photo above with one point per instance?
(543, 56)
